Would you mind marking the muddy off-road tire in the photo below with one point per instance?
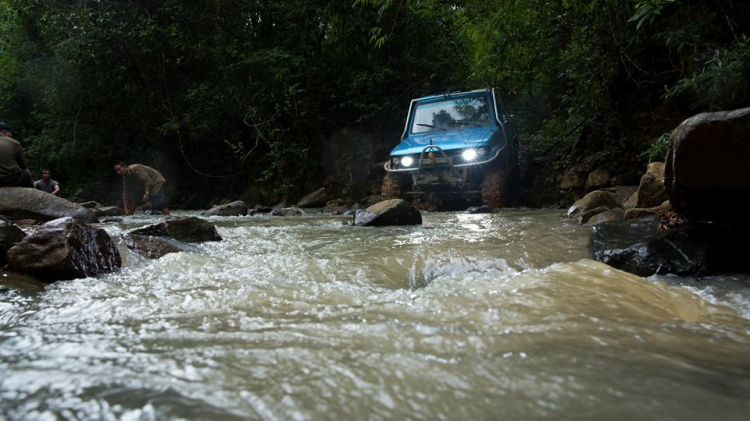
(392, 186)
(495, 189)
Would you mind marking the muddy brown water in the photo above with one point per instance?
(467, 317)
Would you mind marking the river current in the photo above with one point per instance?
(467, 317)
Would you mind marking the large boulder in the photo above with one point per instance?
(315, 199)
(639, 247)
(708, 163)
(389, 212)
(10, 235)
(236, 208)
(189, 230)
(65, 249)
(23, 203)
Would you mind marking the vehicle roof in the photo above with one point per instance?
(451, 93)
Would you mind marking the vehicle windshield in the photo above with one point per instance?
(451, 114)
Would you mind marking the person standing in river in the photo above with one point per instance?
(13, 167)
(47, 184)
(140, 181)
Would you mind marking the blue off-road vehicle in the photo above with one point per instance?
(461, 145)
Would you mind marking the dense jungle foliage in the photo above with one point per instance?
(264, 100)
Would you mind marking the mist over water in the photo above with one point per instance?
(496, 316)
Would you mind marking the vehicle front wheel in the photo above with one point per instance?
(495, 189)
(392, 186)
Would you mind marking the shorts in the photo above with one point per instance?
(158, 202)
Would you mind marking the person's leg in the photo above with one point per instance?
(158, 202)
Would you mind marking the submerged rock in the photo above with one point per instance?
(189, 230)
(65, 249)
(639, 247)
(20, 282)
(23, 203)
(389, 212)
(155, 247)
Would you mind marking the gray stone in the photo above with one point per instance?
(287, 212)
(609, 215)
(189, 230)
(651, 191)
(156, 247)
(236, 208)
(593, 200)
(65, 249)
(23, 203)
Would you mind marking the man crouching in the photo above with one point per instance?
(139, 179)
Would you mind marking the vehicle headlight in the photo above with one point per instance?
(407, 161)
(469, 154)
(396, 161)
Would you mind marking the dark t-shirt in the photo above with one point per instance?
(41, 185)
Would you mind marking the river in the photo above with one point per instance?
(467, 317)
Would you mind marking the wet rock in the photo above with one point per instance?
(642, 212)
(621, 194)
(389, 212)
(478, 209)
(639, 247)
(10, 235)
(593, 200)
(315, 199)
(65, 249)
(708, 162)
(23, 203)
(292, 211)
(109, 211)
(189, 230)
(236, 208)
(20, 282)
(155, 247)
(608, 215)
(585, 216)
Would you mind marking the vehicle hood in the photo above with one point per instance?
(449, 140)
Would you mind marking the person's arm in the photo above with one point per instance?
(56, 191)
(129, 206)
(20, 157)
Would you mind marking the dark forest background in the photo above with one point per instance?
(268, 100)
